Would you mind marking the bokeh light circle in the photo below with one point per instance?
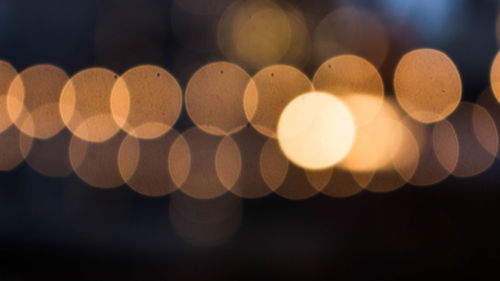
(269, 91)
(146, 101)
(143, 164)
(36, 90)
(7, 75)
(427, 85)
(349, 77)
(214, 98)
(85, 105)
(316, 130)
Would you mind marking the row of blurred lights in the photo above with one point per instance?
(336, 134)
(341, 137)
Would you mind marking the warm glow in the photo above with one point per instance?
(146, 101)
(316, 130)
(85, 105)
(214, 98)
(346, 75)
(143, 164)
(427, 85)
(477, 139)
(36, 91)
(254, 33)
(270, 90)
(7, 75)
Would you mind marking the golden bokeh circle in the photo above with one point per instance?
(36, 90)
(350, 77)
(85, 105)
(214, 98)
(207, 156)
(254, 33)
(427, 85)
(7, 75)
(143, 164)
(146, 101)
(96, 163)
(316, 130)
(269, 92)
(477, 139)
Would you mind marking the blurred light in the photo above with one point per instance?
(228, 162)
(273, 164)
(468, 120)
(254, 33)
(351, 30)
(319, 179)
(143, 164)
(427, 85)
(85, 105)
(299, 51)
(495, 77)
(268, 93)
(214, 98)
(404, 155)
(202, 181)
(97, 163)
(438, 146)
(14, 146)
(7, 75)
(374, 141)
(348, 76)
(316, 130)
(488, 101)
(251, 183)
(205, 223)
(37, 90)
(49, 157)
(146, 101)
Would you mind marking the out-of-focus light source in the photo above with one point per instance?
(214, 98)
(213, 161)
(254, 33)
(49, 157)
(251, 183)
(96, 163)
(316, 130)
(477, 138)
(346, 75)
(15, 146)
(427, 85)
(273, 164)
(143, 164)
(438, 147)
(269, 91)
(7, 75)
(146, 101)
(374, 140)
(85, 105)
(495, 76)
(350, 30)
(36, 91)
(488, 101)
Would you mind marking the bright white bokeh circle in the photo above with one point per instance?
(316, 130)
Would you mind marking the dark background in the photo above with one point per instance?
(446, 231)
